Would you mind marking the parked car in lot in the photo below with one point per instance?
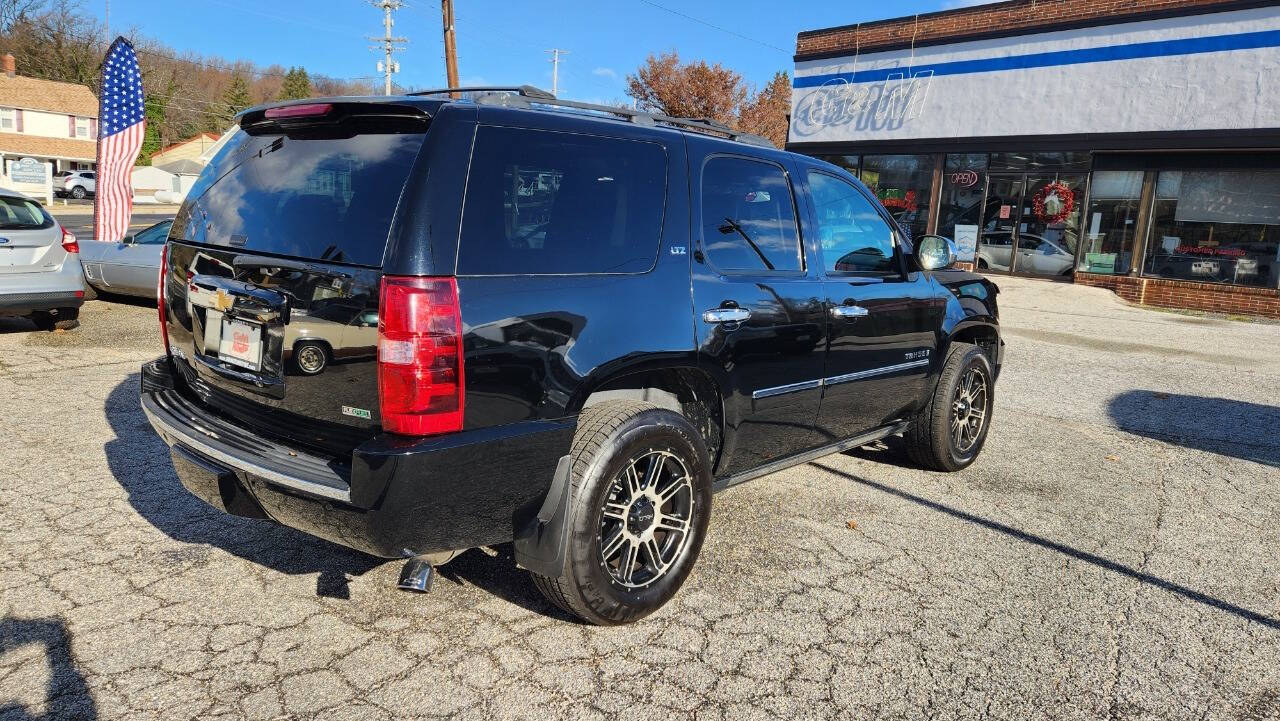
(129, 267)
(40, 276)
(677, 309)
(78, 184)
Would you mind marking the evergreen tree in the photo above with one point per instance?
(236, 97)
(296, 85)
(152, 140)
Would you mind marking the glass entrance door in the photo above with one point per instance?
(1000, 224)
(1049, 231)
(1031, 224)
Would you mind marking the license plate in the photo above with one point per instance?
(241, 343)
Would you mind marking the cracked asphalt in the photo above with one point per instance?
(1115, 553)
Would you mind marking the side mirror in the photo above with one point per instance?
(935, 252)
(129, 240)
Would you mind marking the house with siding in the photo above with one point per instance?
(50, 121)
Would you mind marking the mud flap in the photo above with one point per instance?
(541, 545)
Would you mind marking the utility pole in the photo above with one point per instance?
(555, 68)
(450, 44)
(387, 44)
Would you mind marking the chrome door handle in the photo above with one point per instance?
(726, 315)
(849, 311)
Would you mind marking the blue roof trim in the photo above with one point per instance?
(1135, 51)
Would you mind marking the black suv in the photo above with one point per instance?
(543, 322)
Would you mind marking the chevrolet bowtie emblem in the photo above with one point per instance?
(223, 301)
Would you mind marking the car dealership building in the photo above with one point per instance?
(1131, 145)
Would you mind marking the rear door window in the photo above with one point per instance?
(748, 217)
(320, 198)
(544, 203)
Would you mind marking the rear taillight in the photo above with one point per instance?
(69, 242)
(306, 110)
(420, 371)
(164, 267)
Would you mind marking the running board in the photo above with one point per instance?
(805, 457)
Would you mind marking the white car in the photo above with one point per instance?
(40, 274)
(77, 184)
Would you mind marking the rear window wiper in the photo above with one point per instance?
(247, 262)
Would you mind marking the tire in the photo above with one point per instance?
(596, 583)
(310, 358)
(982, 264)
(78, 192)
(933, 440)
(60, 319)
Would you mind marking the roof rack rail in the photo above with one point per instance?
(527, 91)
(639, 117)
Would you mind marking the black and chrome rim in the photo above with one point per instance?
(969, 409)
(647, 519)
(310, 359)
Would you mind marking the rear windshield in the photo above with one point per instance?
(22, 214)
(328, 199)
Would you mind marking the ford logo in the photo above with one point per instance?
(4, 241)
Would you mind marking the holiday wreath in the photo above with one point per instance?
(1054, 202)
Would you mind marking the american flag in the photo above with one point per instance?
(121, 126)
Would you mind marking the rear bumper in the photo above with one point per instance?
(393, 497)
(24, 303)
(62, 287)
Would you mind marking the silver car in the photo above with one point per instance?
(40, 275)
(130, 267)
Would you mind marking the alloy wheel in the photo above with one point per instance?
(646, 523)
(969, 409)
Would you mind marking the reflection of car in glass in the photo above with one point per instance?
(559, 364)
(129, 267)
(329, 331)
(1036, 254)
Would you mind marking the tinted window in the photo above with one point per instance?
(22, 214)
(541, 202)
(748, 218)
(851, 232)
(321, 198)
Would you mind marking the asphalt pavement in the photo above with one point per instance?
(1114, 554)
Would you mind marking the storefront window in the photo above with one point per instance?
(848, 162)
(1111, 222)
(1033, 162)
(1216, 226)
(904, 184)
(964, 179)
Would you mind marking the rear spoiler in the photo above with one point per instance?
(332, 113)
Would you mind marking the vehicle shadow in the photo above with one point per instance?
(497, 574)
(1075, 553)
(67, 696)
(890, 451)
(140, 462)
(1249, 431)
(14, 324)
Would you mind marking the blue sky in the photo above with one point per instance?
(501, 42)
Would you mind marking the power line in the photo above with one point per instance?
(700, 21)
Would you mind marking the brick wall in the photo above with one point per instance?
(1186, 294)
(955, 25)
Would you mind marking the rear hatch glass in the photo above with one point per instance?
(273, 274)
(30, 240)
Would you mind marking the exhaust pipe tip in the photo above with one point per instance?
(416, 575)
